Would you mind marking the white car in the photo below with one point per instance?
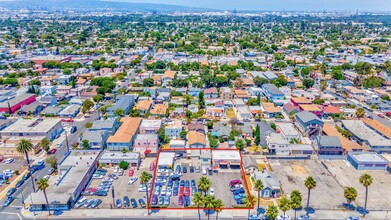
(132, 180)
(59, 145)
(9, 160)
(81, 202)
(9, 171)
(163, 191)
(169, 191)
(97, 176)
(107, 179)
(46, 177)
(212, 192)
(282, 217)
(116, 169)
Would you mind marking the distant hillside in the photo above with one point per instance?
(91, 4)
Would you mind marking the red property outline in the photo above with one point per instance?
(195, 208)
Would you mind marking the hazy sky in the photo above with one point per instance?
(351, 5)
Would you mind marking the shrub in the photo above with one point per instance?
(123, 165)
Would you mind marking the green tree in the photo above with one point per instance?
(218, 207)
(88, 125)
(350, 194)
(201, 100)
(187, 99)
(310, 183)
(85, 144)
(272, 211)
(258, 187)
(45, 144)
(285, 204)
(35, 82)
(249, 202)
(360, 112)
(52, 161)
(239, 144)
(144, 179)
(258, 81)
(42, 185)
(25, 146)
(198, 200)
(123, 165)
(273, 125)
(296, 200)
(204, 184)
(148, 82)
(98, 98)
(87, 105)
(308, 83)
(366, 180)
(209, 204)
(119, 112)
(183, 134)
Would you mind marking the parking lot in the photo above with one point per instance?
(121, 187)
(328, 194)
(348, 176)
(219, 179)
(17, 164)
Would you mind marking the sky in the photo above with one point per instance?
(318, 5)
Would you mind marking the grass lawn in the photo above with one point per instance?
(231, 113)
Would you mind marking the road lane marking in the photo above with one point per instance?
(12, 213)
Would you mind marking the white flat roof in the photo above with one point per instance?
(32, 125)
(225, 155)
(166, 158)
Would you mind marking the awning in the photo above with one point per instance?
(223, 163)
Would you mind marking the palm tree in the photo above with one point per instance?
(272, 211)
(350, 194)
(43, 185)
(296, 200)
(144, 179)
(24, 146)
(258, 187)
(204, 184)
(366, 180)
(285, 205)
(209, 204)
(218, 207)
(310, 183)
(249, 203)
(198, 200)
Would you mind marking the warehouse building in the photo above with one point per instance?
(367, 161)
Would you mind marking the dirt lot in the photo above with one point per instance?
(220, 183)
(328, 194)
(379, 197)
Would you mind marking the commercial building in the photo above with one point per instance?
(367, 161)
(33, 129)
(75, 171)
(166, 160)
(226, 159)
(110, 159)
(13, 104)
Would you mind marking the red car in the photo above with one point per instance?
(151, 166)
(181, 189)
(187, 191)
(131, 172)
(180, 201)
(52, 151)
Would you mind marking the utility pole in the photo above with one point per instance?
(66, 139)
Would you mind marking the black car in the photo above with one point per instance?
(191, 169)
(210, 172)
(73, 129)
(11, 191)
(126, 201)
(134, 203)
(25, 177)
(184, 169)
(19, 183)
(142, 203)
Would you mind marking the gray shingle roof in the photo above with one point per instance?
(306, 116)
(331, 141)
(272, 89)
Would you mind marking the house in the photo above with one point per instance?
(249, 164)
(64, 80)
(168, 76)
(211, 93)
(226, 93)
(270, 110)
(271, 185)
(296, 101)
(277, 144)
(177, 144)
(330, 111)
(289, 108)
(125, 102)
(221, 131)
(308, 124)
(47, 90)
(146, 144)
(63, 89)
(150, 126)
(31, 109)
(48, 101)
(288, 132)
(328, 145)
(159, 110)
(241, 94)
(196, 127)
(196, 139)
(346, 144)
(143, 106)
(214, 112)
(173, 129)
(51, 111)
(109, 125)
(272, 93)
(71, 111)
(193, 92)
(246, 131)
(314, 109)
(244, 113)
(96, 139)
(125, 135)
(265, 130)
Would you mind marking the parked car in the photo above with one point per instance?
(154, 200)
(142, 203)
(41, 162)
(212, 192)
(101, 193)
(239, 196)
(152, 167)
(73, 129)
(97, 176)
(184, 169)
(59, 145)
(11, 191)
(118, 203)
(116, 169)
(9, 160)
(121, 172)
(25, 177)
(8, 201)
(203, 171)
(180, 200)
(50, 171)
(134, 203)
(187, 201)
(167, 200)
(19, 183)
(81, 202)
(234, 182)
(210, 172)
(96, 203)
(88, 203)
(238, 191)
(191, 169)
(126, 201)
(132, 180)
(52, 151)
(113, 176)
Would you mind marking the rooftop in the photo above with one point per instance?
(226, 155)
(369, 157)
(126, 131)
(32, 125)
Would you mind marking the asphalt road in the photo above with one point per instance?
(26, 189)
